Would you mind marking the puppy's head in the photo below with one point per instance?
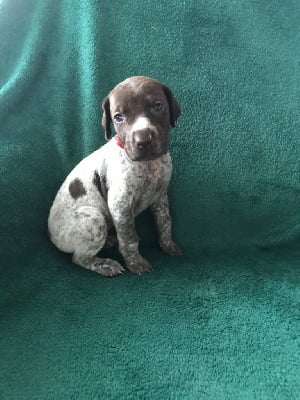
(142, 110)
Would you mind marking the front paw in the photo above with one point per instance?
(139, 265)
(171, 248)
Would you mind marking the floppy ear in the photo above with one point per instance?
(106, 118)
(174, 108)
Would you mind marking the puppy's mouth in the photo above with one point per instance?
(148, 153)
(145, 156)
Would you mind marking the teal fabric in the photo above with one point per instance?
(220, 322)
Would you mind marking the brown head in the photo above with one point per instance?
(142, 110)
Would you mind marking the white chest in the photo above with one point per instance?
(139, 183)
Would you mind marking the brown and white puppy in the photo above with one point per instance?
(114, 184)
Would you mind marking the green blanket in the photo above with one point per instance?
(220, 322)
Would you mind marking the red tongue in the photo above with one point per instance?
(119, 143)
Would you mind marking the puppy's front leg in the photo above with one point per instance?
(160, 211)
(128, 240)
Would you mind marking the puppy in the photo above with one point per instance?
(114, 184)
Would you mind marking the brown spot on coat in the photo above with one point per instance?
(77, 189)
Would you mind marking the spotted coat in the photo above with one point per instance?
(108, 188)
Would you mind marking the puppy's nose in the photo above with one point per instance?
(142, 138)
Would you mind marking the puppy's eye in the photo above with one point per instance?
(158, 106)
(118, 117)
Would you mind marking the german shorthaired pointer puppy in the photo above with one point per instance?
(114, 184)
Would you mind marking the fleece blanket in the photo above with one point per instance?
(220, 322)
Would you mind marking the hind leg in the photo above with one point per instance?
(103, 266)
(88, 236)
